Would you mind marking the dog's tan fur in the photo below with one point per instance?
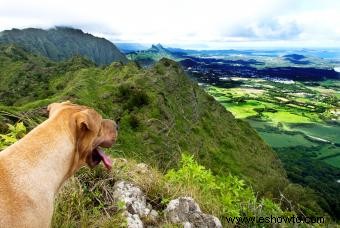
(33, 169)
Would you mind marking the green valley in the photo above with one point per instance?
(300, 121)
(287, 115)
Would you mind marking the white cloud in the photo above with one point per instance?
(214, 23)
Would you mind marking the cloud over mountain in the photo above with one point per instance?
(212, 23)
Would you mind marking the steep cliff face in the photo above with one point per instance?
(61, 43)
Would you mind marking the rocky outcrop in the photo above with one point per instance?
(139, 213)
(135, 207)
(186, 211)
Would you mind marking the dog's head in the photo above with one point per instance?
(90, 130)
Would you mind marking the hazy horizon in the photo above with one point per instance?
(202, 47)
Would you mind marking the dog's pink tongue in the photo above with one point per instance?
(106, 160)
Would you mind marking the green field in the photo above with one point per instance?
(288, 115)
(335, 161)
(285, 140)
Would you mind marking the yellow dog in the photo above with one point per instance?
(33, 169)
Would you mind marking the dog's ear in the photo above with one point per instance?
(88, 120)
(88, 124)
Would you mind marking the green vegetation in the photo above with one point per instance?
(27, 77)
(301, 122)
(220, 195)
(62, 43)
(299, 113)
(277, 102)
(163, 113)
(87, 201)
(303, 168)
(15, 132)
(300, 118)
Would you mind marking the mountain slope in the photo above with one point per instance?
(163, 113)
(61, 43)
(25, 77)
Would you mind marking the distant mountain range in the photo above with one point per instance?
(62, 43)
(131, 47)
(209, 65)
(152, 55)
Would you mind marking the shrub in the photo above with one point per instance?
(87, 201)
(132, 97)
(222, 196)
(16, 132)
(138, 98)
(134, 121)
(160, 69)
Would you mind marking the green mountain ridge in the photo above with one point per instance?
(163, 114)
(61, 43)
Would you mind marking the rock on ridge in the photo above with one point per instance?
(139, 213)
(184, 210)
(135, 205)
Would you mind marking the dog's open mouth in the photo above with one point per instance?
(98, 155)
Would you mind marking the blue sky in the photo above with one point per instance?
(202, 24)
